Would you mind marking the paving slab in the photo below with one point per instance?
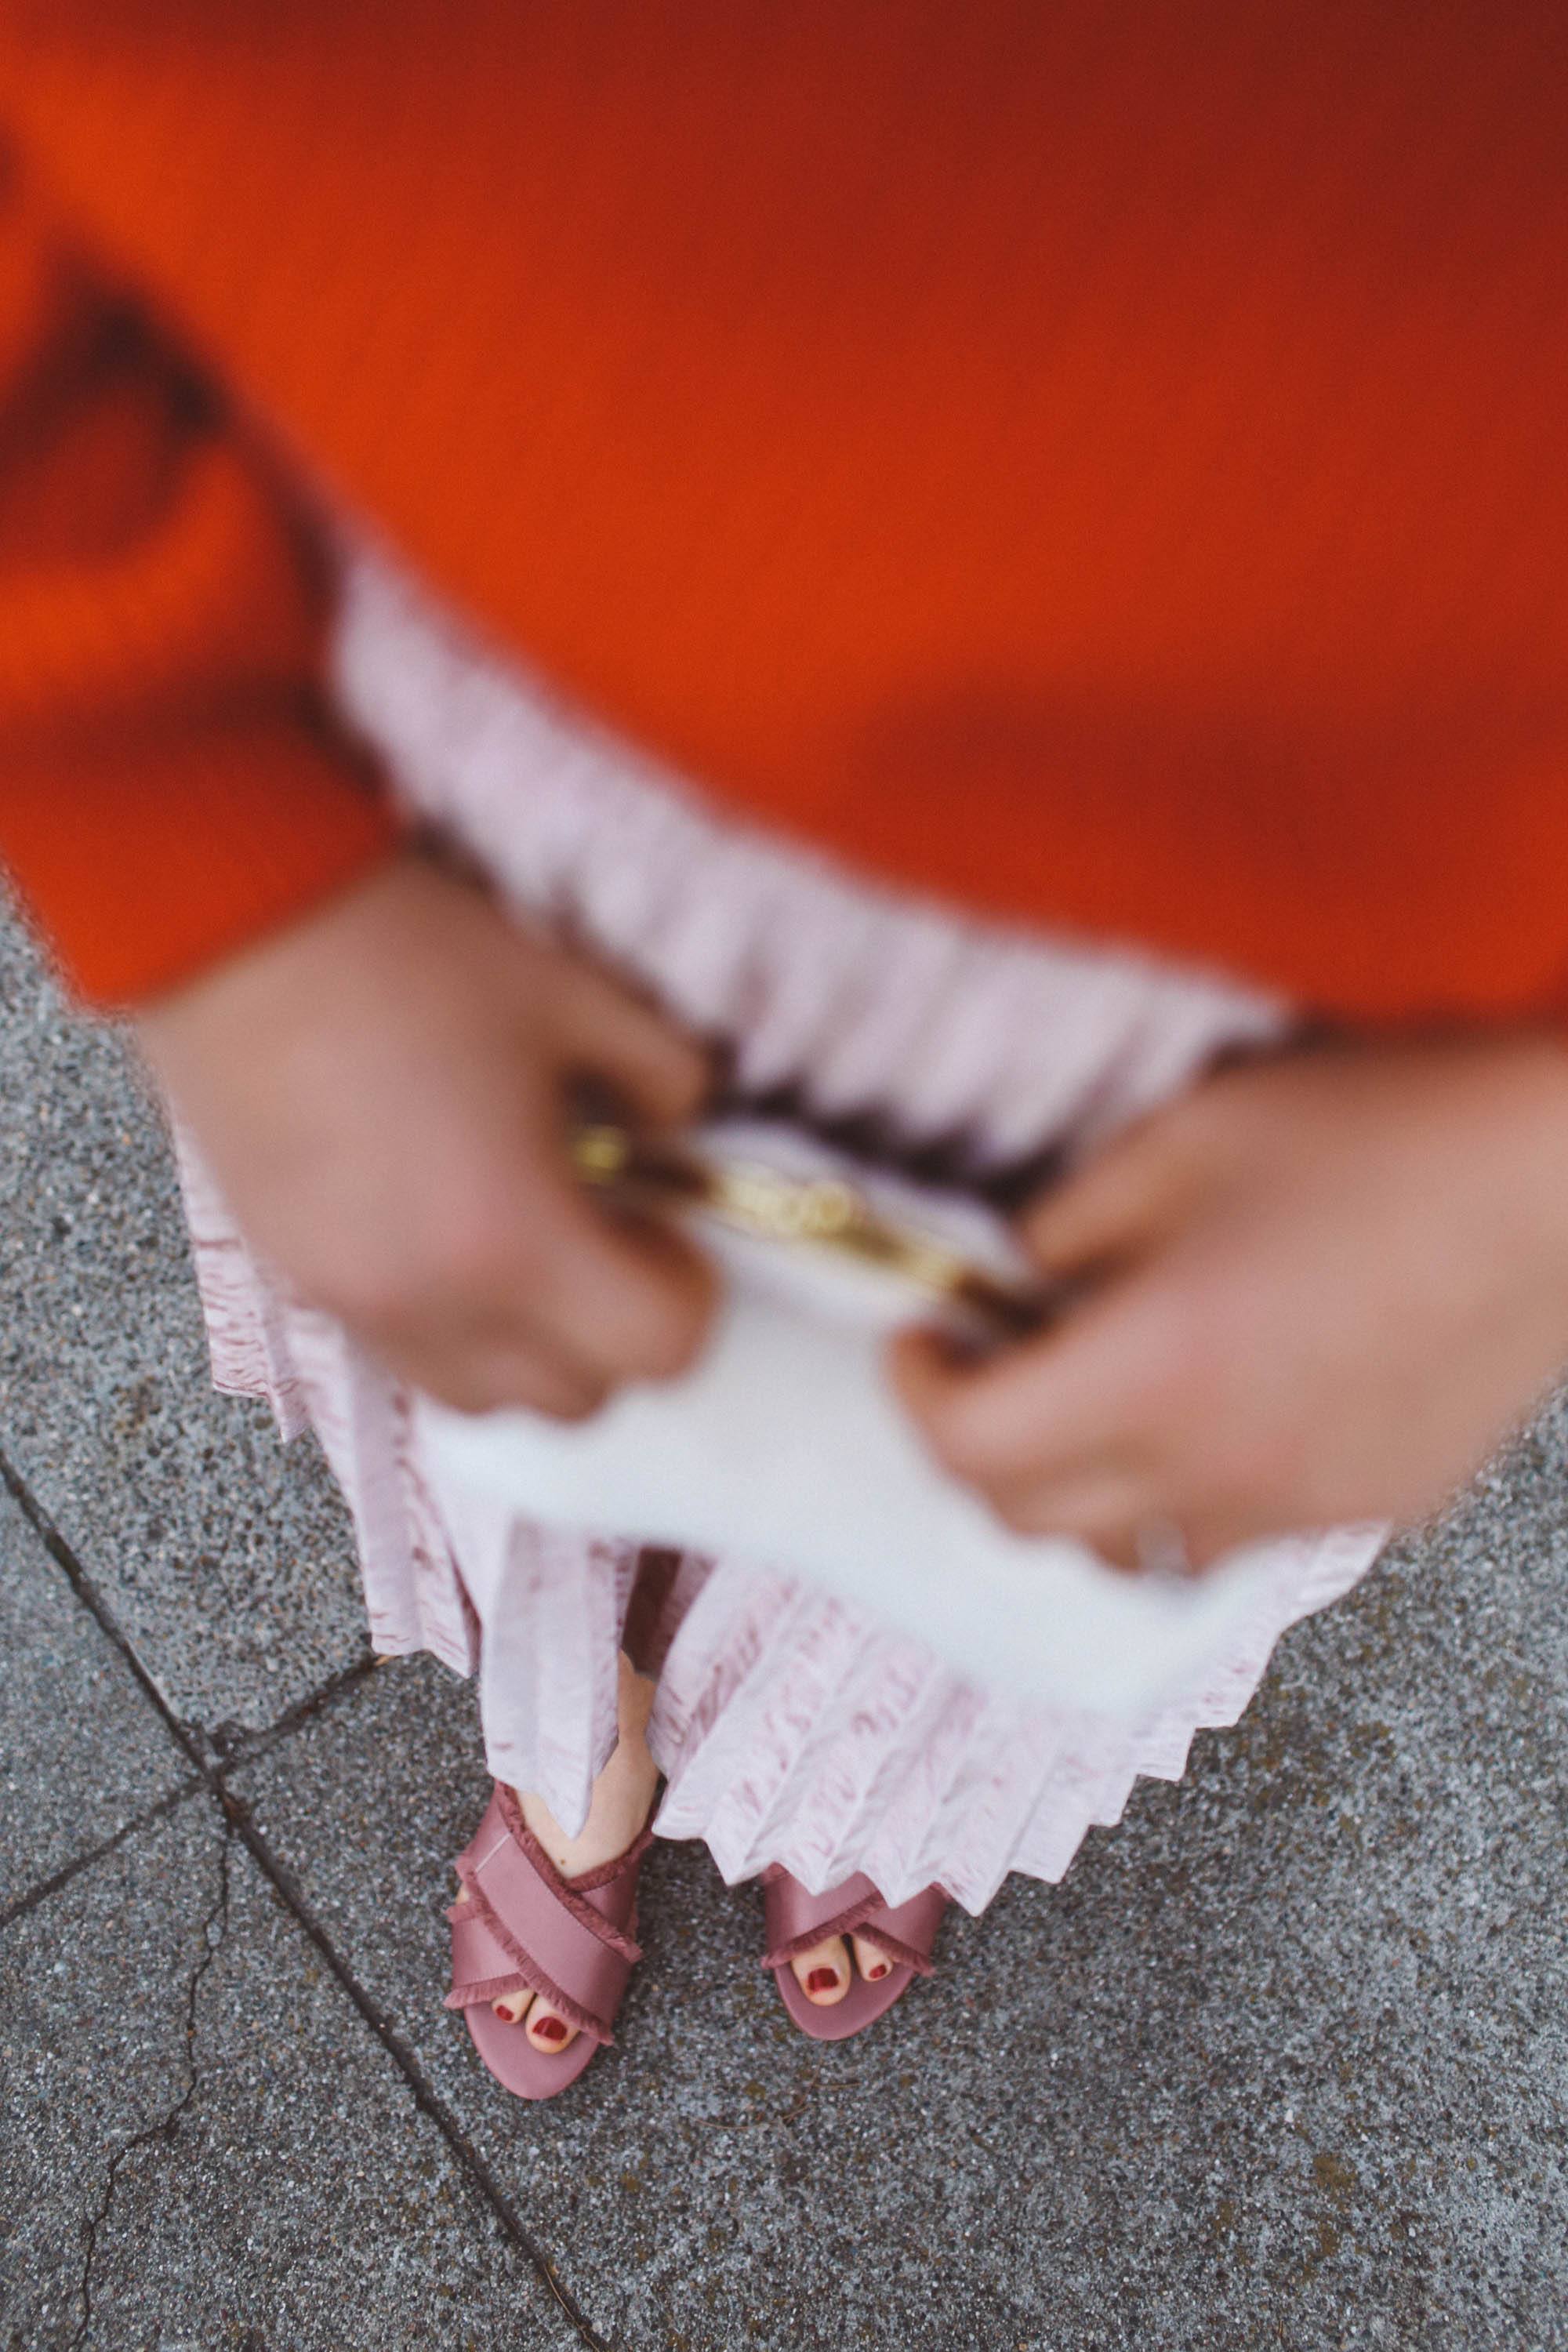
(1282, 2063)
(83, 1751)
(207, 2149)
(226, 1556)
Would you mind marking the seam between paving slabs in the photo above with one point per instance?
(196, 1747)
(235, 1747)
(31, 1896)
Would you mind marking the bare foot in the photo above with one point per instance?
(824, 1973)
(620, 1805)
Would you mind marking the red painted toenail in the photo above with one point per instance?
(880, 1970)
(549, 2029)
(505, 2014)
(822, 1981)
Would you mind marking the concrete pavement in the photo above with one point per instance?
(1282, 2063)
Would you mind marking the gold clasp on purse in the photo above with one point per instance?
(822, 1211)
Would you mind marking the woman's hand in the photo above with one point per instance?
(1323, 1289)
(381, 1092)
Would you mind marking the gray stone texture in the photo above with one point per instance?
(206, 2147)
(1281, 2064)
(1282, 2060)
(82, 1753)
(227, 1556)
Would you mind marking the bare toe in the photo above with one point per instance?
(548, 2030)
(823, 1973)
(512, 2006)
(872, 1963)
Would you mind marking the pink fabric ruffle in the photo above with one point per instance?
(791, 1730)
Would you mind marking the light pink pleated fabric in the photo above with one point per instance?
(790, 1729)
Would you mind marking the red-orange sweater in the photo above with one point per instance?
(1101, 463)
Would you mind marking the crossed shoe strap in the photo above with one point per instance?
(525, 1926)
(797, 1922)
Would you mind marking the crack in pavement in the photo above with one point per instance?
(213, 1929)
(199, 1752)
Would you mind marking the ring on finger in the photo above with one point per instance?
(1162, 1550)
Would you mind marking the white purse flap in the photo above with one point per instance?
(784, 1449)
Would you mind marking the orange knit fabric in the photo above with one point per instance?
(1103, 464)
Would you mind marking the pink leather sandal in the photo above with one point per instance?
(796, 1920)
(525, 1927)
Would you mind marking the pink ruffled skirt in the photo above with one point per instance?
(789, 1728)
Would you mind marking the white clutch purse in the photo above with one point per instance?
(783, 1447)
